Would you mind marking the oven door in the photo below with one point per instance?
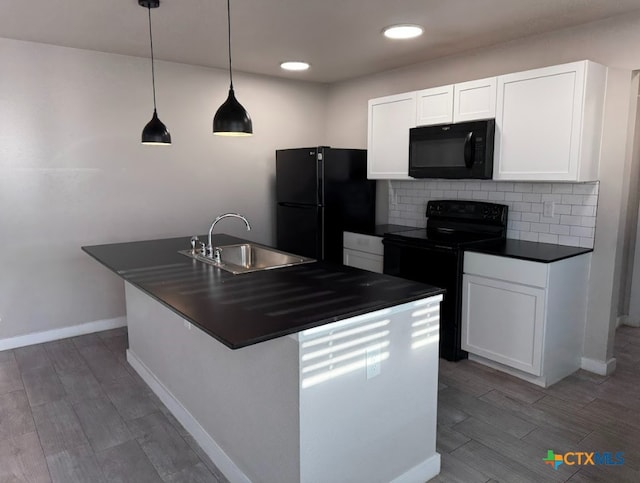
(463, 150)
(440, 266)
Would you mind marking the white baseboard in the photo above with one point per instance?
(204, 439)
(599, 367)
(421, 472)
(62, 333)
(628, 320)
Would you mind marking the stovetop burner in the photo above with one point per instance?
(459, 222)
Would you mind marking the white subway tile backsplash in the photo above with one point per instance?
(559, 229)
(562, 188)
(569, 240)
(488, 186)
(519, 225)
(574, 217)
(548, 238)
(521, 206)
(555, 198)
(542, 188)
(570, 220)
(529, 236)
(572, 199)
(588, 221)
(513, 196)
(540, 227)
(585, 189)
(496, 196)
(583, 210)
(586, 242)
(582, 231)
(533, 197)
(550, 219)
(504, 187)
(523, 187)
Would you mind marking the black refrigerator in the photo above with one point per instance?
(321, 192)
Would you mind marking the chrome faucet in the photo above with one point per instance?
(209, 248)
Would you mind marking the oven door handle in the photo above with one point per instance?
(469, 150)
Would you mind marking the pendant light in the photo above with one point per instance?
(155, 132)
(232, 119)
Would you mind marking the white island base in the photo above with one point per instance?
(351, 401)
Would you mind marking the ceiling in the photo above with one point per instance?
(340, 38)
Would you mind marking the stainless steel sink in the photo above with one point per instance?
(248, 257)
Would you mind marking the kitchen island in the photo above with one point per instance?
(310, 373)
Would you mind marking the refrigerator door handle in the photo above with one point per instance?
(320, 178)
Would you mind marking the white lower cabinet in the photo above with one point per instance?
(363, 251)
(525, 318)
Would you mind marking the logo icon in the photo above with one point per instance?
(583, 458)
(552, 459)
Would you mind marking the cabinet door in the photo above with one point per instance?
(503, 322)
(538, 124)
(474, 100)
(390, 119)
(435, 106)
(363, 260)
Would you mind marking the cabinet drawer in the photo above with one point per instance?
(363, 260)
(363, 243)
(507, 269)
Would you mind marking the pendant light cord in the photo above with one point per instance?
(153, 73)
(229, 43)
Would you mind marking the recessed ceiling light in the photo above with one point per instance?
(294, 65)
(404, 31)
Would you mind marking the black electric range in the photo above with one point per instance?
(434, 255)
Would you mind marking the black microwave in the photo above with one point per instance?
(456, 151)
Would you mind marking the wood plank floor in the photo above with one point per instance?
(495, 427)
(75, 411)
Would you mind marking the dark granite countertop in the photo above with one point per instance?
(380, 230)
(532, 251)
(241, 310)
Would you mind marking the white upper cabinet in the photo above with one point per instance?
(466, 101)
(434, 106)
(549, 122)
(474, 100)
(390, 119)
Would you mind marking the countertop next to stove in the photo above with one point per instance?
(241, 310)
(532, 251)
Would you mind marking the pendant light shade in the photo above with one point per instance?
(155, 132)
(232, 119)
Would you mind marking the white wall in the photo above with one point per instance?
(612, 42)
(73, 171)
